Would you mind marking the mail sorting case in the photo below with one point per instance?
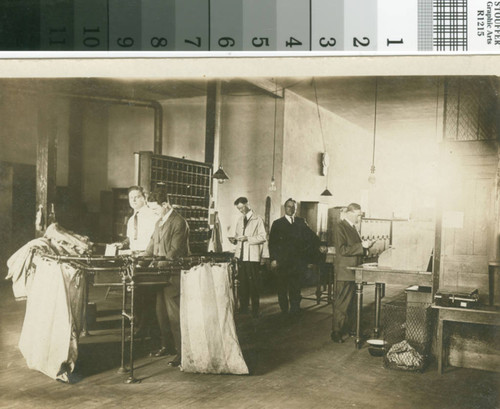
(188, 183)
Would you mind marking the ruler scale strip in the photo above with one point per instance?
(260, 26)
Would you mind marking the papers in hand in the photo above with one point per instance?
(111, 250)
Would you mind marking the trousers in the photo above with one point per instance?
(288, 283)
(249, 278)
(169, 320)
(344, 307)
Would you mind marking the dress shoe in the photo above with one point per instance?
(139, 335)
(336, 337)
(161, 352)
(175, 363)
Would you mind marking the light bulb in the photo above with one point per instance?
(372, 178)
(272, 187)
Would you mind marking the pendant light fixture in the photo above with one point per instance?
(272, 186)
(220, 175)
(325, 159)
(372, 178)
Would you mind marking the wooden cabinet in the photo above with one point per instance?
(114, 214)
(188, 183)
(316, 216)
(121, 213)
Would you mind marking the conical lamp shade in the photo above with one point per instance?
(326, 192)
(220, 174)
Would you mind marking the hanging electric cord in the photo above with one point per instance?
(372, 177)
(272, 187)
(326, 161)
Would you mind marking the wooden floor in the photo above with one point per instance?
(293, 363)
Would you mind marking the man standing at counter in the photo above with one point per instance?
(170, 240)
(140, 227)
(349, 252)
(141, 224)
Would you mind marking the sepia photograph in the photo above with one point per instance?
(236, 239)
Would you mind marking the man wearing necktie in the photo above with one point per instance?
(141, 224)
(250, 236)
(291, 242)
(349, 252)
(140, 227)
(170, 240)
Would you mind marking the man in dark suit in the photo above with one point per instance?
(349, 251)
(170, 240)
(291, 244)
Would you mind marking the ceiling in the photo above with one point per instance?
(336, 94)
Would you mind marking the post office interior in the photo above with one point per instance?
(420, 154)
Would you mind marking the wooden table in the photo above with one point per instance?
(382, 275)
(493, 269)
(486, 316)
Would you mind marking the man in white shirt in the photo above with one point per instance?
(141, 224)
(140, 228)
(250, 236)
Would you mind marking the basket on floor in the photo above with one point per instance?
(407, 330)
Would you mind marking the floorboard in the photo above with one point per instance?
(293, 364)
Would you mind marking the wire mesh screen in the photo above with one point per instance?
(470, 109)
(407, 331)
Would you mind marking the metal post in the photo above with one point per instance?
(131, 378)
(378, 290)
(236, 286)
(122, 368)
(359, 299)
(85, 328)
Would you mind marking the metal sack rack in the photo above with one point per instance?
(131, 271)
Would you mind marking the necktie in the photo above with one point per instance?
(245, 222)
(136, 223)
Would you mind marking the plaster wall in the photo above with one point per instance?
(130, 129)
(246, 152)
(184, 122)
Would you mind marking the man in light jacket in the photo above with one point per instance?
(250, 236)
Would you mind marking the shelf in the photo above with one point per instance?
(189, 185)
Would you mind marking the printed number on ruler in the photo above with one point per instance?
(292, 42)
(260, 42)
(90, 37)
(331, 42)
(196, 43)
(125, 42)
(364, 42)
(57, 35)
(391, 42)
(158, 42)
(226, 42)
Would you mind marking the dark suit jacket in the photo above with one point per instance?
(348, 250)
(171, 241)
(291, 244)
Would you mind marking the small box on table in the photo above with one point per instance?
(461, 297)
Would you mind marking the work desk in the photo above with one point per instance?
(484, 315)
(382, 275)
